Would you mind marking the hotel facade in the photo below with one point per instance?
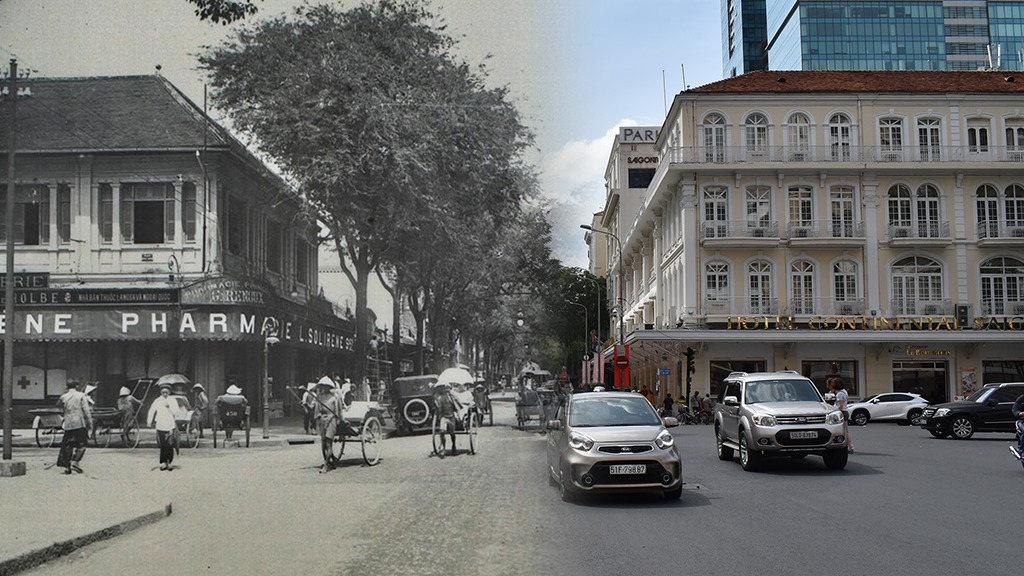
(864, 224)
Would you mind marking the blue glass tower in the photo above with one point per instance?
(887, 34)
(745, 36)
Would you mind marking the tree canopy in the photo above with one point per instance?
(412, 162)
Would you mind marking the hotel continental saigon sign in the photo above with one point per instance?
(930, 323)
(218, 309)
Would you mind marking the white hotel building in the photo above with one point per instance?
(864, 223)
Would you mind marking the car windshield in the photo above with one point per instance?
(781, 391)
(620, 411)
(979, 394)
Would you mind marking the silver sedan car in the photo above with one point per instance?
(612, 442)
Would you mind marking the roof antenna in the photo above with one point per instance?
(158, 67)
(682, 68)
(664, 92)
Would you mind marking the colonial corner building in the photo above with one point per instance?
(148, 240)
(868, 224)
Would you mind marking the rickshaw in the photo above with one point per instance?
(482, 400)
(531, 397)
(467, 423)
(47, 425)
(365, 423)
(107, 421)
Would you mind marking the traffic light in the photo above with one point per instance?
(691, 354)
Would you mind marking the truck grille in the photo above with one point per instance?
(820, 419)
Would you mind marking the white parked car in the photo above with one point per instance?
(891, 406)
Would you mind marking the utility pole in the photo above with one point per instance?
(8, 467)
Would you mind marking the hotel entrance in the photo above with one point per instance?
(925, 378)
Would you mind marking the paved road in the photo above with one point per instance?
(907, 504)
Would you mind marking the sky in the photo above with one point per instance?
(577, 69)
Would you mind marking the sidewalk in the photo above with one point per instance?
(46, 514)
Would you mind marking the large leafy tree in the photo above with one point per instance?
(223, 11)
(410, 162)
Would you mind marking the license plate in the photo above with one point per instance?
(803, 435)
(627, 469)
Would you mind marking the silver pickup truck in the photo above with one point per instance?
(763, 414)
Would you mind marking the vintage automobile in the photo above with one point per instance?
(412, 402)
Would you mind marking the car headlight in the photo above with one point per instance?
(764, 420)
(835, 417)
(580, 442)
(941, 412)
(664, 439)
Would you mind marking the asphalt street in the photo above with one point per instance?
(907, 504)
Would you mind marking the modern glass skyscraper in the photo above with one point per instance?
(745, 34)
(882, 34)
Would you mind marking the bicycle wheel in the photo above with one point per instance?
(472, 427)
(45, 437)
(435, 434)
(371, 437)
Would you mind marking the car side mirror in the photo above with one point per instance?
(874, 400)
(554, 425)
(730, 401)
(670, 421)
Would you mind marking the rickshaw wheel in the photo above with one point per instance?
(472, 429)
(45, 437)
(371, 437)
(192, 433)
(102, 437)
(131, 435)
(435, 434)
(333, 449)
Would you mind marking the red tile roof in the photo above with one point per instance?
(844, 81)
(101, 114)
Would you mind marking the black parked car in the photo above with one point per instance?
(986, 410)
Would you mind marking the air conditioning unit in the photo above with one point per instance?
(757, 233)
(798, 156)
(892, 156)
(930, 310)
(801, 232)
(901, 233)
(1018, 308)
(846, 310)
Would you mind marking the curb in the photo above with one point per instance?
(39, 557)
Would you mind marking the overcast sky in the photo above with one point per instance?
(577, 69)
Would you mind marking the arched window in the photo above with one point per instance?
(716, 285)
(714, 138)
(759, 288)
(929, 223)
(929, 146)
(917, 286)
(977, 135)
(756, 129)
(842, 210)
(801, 209)
(716, 212)
(801, 285)
(900, 213)
(839, 137)
(845, 287)
(1015, 138)
(759, 209)
(890, 138)
(799, 137)
(1002, 286)
(1014, 208)
(987, 204)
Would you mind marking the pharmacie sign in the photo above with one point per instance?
(927, 323)
(127, 324)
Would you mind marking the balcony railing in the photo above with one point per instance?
(922, 308)
(740, 229)
(988, 229)
(918, 231)
(825, 229)
(990, 307)
(842, 153)
(742, 306)
(763, 306)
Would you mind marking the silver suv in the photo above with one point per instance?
(765, 414)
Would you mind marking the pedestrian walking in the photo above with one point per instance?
(331, 404)
(163, 416)
(667, 405)
(77, 423)
(446, 406)
(843, 404)
(309, 408)
(200, 404)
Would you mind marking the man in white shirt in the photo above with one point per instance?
(163, 416)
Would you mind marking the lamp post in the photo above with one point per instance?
(621, 290)
(586, 330)
(597, 284)
(267, 343)
(622, 295)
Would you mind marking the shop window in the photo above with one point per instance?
(819, 371)
(31, 215)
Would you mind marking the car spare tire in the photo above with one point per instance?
(416, 411)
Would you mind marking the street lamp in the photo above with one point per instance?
(586, 331)
(622, 294)
(270, 326)
(598, 286)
